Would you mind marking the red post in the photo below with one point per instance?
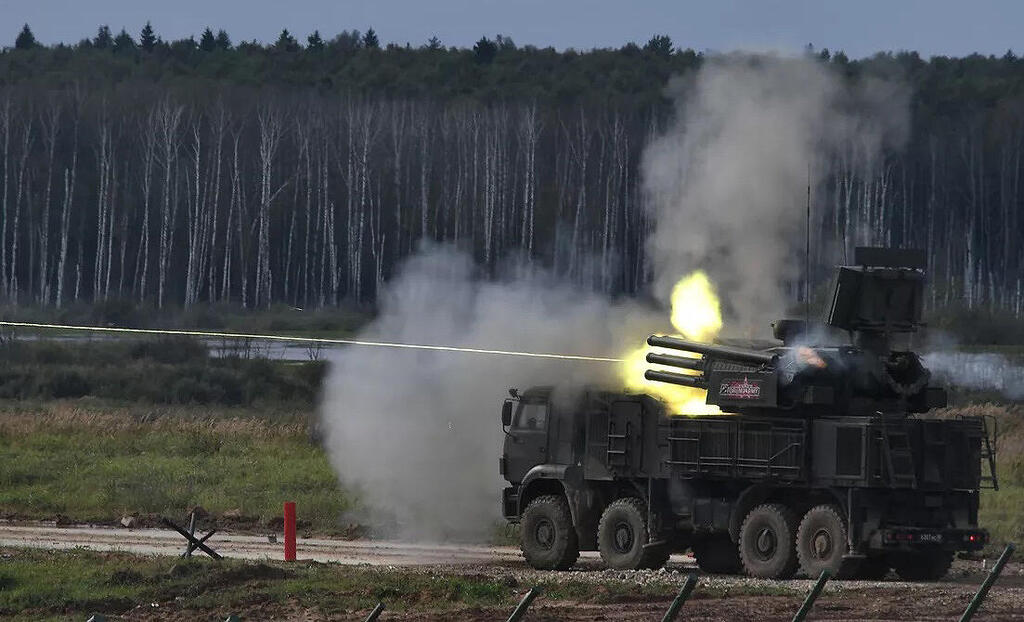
(289, 531)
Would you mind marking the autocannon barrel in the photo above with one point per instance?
(725, 352)
(676, 361)
(696, 382)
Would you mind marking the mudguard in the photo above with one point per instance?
(569, 478)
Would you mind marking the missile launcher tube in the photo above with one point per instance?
(676, 361)
(724, 352)
(696, 382)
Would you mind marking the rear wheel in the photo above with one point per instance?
(922, 565)
(821, 541)
(717, 554)
(767, 542)
(622, 534)
(547, 536)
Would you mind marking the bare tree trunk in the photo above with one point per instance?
(51, 123)
(149, 136)
(270, 135)
(168, 117)
(21, 191)
(5, 125)
(65, 218)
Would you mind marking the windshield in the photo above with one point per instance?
(531, 416)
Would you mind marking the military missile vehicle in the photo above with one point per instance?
(824, 457)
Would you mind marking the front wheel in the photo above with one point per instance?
(547, 536)
(622, 534)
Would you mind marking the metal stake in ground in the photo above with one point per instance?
(524, 605)
(677, 604)
(375, 613)
(989, 581)
(191, 532)
(812, 596)
(289, 531)
(193, 542)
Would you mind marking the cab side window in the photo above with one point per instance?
(531, 416)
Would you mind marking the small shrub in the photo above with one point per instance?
(204, 317)
(66, 383)
(126, 576)
(191, 391)
(279, 324)
(170, 350)
(16, 384)
(118, 312)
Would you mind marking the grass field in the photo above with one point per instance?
(63, 459)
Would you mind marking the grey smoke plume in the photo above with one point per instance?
(418, 434)
(726, 182)
(978, 371)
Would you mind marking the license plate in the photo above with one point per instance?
(930, 537)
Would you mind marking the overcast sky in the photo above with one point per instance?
(859, 27)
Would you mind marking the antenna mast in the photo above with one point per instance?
(807, 256)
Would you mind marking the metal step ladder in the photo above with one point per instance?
(618, 443)
(899, 456)
(988, 452)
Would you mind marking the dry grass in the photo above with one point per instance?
(76, 416)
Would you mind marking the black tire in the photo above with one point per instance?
(622, 534)
(767, 542)
(922, 565)
(873, 568)
(821, 542)
(717, 554)
(547, 536)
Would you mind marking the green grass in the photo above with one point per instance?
(37, 584)
(40, 584)
(60, 584)
(1002, 513)
(97, 467)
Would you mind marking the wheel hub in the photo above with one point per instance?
(821, 544)
(623, 538)
(766, 543)
(544, 534)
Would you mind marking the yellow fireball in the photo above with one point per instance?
(696, 314)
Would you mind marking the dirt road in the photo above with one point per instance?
(167, 542)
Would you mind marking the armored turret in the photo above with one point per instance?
(846, 364)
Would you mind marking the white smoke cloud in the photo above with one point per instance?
(727, 181)
(418, 433)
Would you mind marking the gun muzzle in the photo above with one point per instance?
(676, 361)
(707, 349)
(697, 382)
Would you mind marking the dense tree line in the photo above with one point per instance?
(184, 172)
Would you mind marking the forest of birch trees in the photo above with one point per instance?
(190, 190)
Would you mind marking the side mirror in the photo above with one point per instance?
(506, 414)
